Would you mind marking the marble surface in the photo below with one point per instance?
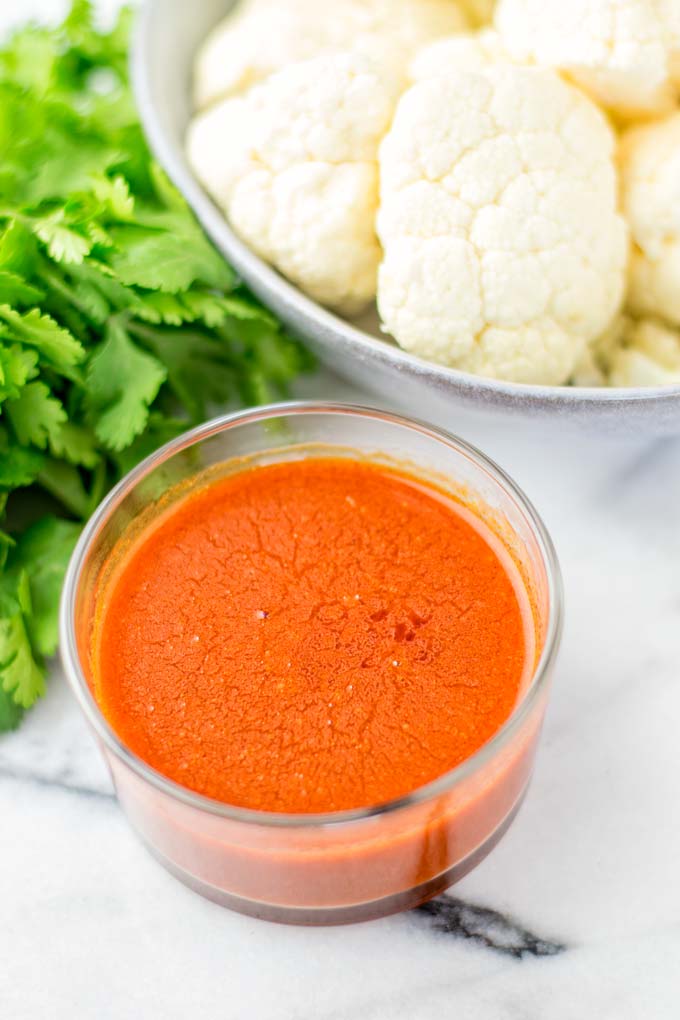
(576, 914)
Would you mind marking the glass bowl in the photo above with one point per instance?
(346, 865)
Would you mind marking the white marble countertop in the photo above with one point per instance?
(576, 914)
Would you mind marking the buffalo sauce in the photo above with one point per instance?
(310, 636)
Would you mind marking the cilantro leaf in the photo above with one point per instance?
(17, 366)
(11, 714)
(21, 675)
(65, 483)
(53, 342)
(18, 249)
(36, 416)
(197, 366)
(99, 278)
(19, 466)
(210, 308)
(114, 193)
(6, 541)
(75, 443)
(79, 22)
(122, 381)
(76, 292)
(64, 242)
(15, 291)
(169, 254)
(30, 59)
(43, 552)
(197, 304)
(171, 309)
(159, 430)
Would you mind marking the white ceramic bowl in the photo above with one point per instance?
(167, 36)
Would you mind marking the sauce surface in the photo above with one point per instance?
(311, 635)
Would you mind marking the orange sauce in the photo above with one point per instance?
(312, 636)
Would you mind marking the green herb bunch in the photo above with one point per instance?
(119, 323)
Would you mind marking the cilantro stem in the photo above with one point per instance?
(63, 481)
(142, 332)
(56, 281)
(98, 488)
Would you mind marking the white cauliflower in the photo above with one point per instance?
(504, 251)
(479, 12)
(632, 352)
(588, 371)
(648, 355)
(650, 177)
(293, 163)
(593, 367)
(263, 36)
(624, 53)
(467, 51)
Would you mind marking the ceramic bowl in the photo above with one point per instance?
(167, 36)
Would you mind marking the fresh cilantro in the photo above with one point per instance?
(160, 429)
(15, 291)
(18, 250)
(17, 366)
(64, 243)
(76, 444)
(11, 713)
(22, 675)
(168, 255)
(43, 552)
(198, 368)
(19, 465)
(122, 383)
(59, 349)
(35, 415)
(120, 325)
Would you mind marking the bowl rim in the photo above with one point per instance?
(442, 784)
(259, 274)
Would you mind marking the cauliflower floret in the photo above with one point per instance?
(504, 250)
(588, 371)
(293, 163)
(468, 51)
(648, 355)
(593, 366)
(650, 176)
(624, 53)
(641, 352)
(263, 36)
(479, 12)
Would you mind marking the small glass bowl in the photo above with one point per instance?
(347, 865)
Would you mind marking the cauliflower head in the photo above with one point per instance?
(479, 12)
(632, 352)
(293, 163)
(468, 51)
(504, 251)
(624, 53)
(650, 178)
(593, 366)
(264, 36)
(647, 355)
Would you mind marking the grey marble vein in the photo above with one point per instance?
(486, 927)
(54, 783)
